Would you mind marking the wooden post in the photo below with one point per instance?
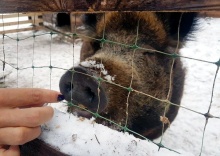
(10, 6)
(37, 19)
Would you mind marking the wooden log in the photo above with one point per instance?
(11, 6)
(215, 14)
(33, 22)
(16, 15)
(22, 30)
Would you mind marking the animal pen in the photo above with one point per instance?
(50, 26)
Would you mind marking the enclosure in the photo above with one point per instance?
(37, 48)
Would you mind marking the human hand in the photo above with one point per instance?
(21, 114)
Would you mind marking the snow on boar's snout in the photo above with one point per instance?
(145, 70)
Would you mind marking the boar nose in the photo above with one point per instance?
(80, 87)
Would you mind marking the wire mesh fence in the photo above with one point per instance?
(35, 66)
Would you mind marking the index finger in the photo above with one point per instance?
(21, 97)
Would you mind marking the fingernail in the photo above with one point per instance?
(60, 97)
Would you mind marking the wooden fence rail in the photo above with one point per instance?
(10, 6)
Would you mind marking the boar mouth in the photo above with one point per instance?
(82, 89)
(81, 113)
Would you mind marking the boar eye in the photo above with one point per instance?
(96, 45)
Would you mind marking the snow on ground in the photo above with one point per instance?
(78, 136)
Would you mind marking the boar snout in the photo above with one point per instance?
(81, 88)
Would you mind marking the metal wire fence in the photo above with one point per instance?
(17, 67)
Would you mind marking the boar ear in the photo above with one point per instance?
(184, 21)
(174, 20)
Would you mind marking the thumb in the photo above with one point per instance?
(12, 151)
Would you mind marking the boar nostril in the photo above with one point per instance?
(90, 94)
(69, 86)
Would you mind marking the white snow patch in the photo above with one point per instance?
(94, 64)
(88, 64)
(109, 78)
(79, 137)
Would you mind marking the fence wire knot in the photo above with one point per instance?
(218, 63)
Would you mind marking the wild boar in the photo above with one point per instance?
(135, 57)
